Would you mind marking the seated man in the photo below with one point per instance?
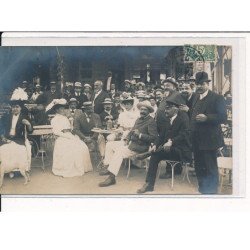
(126, 121)
(139, 139)
(84, 123)
(175, 145)
(73, 112)
(109, 112)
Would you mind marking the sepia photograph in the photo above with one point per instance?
(117, 120)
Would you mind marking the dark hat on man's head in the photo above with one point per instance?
(175, 99)
(201, 77)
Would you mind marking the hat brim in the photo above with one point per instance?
(200, 82)
(107, 103)
(150, 108)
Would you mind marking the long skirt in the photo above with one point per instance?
(14, 156)
(71, 157)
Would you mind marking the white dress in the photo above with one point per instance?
(71, 155)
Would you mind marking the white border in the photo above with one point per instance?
(237, 40)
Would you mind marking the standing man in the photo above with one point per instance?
(139, 139)
(207, 115)
(189, 96)
(108, 82)
(87, 91)
(78, 95)
(98, 97)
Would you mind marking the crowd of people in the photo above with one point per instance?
(175, 120)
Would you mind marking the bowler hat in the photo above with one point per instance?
(201, 77)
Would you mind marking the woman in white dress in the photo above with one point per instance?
(71, 155)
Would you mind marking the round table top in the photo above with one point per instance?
(105, 131)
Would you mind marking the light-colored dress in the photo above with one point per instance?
(14, 156)
(71, 155)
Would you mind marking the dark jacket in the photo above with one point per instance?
(98, 102)
(104, 114)
(179, 133)
(83, 128)
(161, 118)
(147, 128)
(5, 126)
(81, 99)
(208, 135)
(49, 96)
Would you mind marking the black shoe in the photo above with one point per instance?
(104, 172)
(146, 188)
(108, 182)
(165, 176)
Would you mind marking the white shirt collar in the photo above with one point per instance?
(203, 95)
(172, 119)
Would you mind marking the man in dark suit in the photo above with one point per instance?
(83, 125)
(189, 96)
(170, 86)
(52, 94)
(98, 97)
(78, 95)
(139, 139)
(110, 112)
(207, 115)
(174, 145)
(73, 112)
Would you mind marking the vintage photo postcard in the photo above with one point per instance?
(144, 115)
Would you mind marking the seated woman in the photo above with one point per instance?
(71, 155)
(15, 150)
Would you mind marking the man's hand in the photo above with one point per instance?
(152, 148)
(184, 108)
(26, 122)
(136, 132)
(167, 146)
(201, 118)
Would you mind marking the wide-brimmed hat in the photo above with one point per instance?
(129, 99)
(145, 104)
(201, 77)
(107, 101)
(55, 104)
(19, 97)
